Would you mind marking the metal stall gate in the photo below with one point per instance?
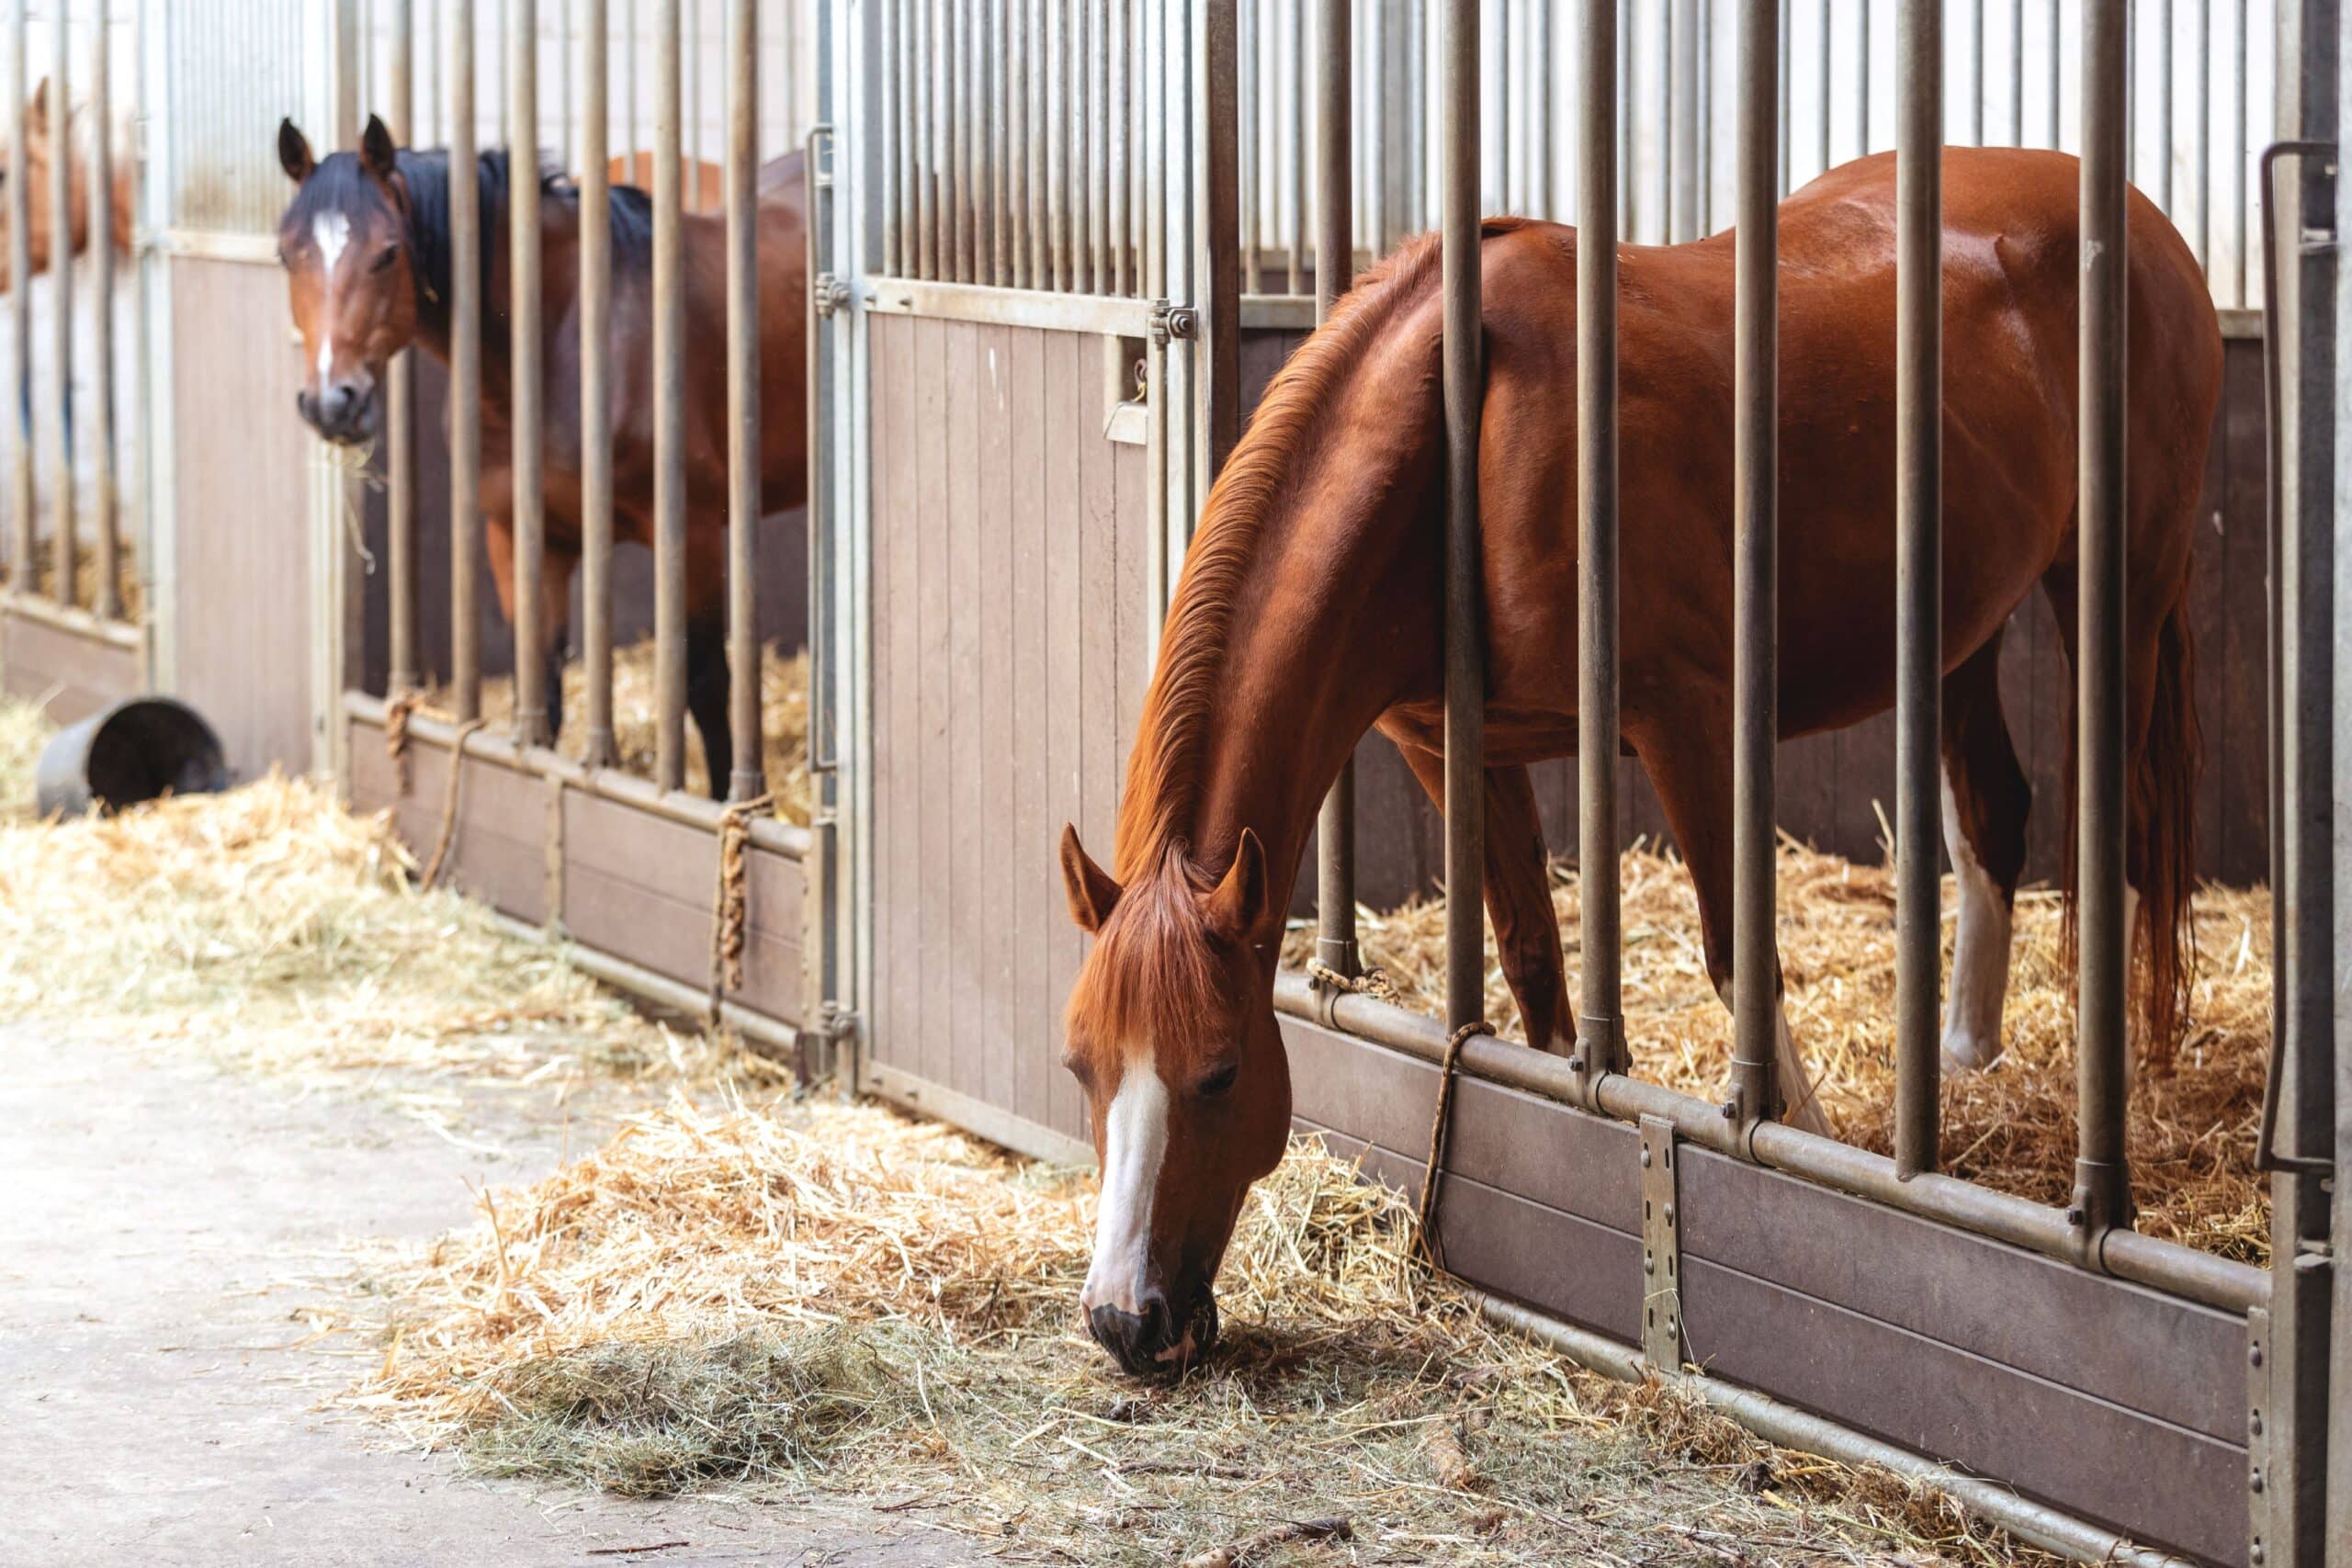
(1004, 554)
(76, 570)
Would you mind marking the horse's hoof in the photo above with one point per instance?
(1971, 1053)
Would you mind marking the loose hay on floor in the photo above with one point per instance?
(25, 729)
(784, 720)
(270, 927)
(2192, 1133)
(838, 1301)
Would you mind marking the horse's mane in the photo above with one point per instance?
(1165, 765)
(340, 180)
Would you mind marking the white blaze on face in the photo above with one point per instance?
(1980, 954)
(331, 233)
(1135, 1144)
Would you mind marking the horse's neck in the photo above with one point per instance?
(558, 271)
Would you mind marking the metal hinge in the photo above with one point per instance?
(829, 294)
(2257, 1432)
(1170, 321)
(1661, 1249)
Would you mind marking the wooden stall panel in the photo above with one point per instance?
(499, 851)
(1009, 615)
(71, 674)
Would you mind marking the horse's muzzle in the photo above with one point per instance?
(1156, 1342)
(344, 412)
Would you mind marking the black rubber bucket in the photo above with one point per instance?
(140, 749)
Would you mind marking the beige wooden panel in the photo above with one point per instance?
(73, 676)
(242, 601)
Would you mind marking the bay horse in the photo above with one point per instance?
(366, 244)
(39, 139)
(1310, 610)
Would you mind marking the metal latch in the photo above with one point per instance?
(1661, 1249)
(829, 294)
(1170, 321)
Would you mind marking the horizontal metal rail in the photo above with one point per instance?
(2000, 1216)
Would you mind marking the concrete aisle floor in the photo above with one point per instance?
(152, 1408)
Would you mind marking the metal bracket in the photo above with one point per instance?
(1601, 1044)
(1661, 1249)
(829, 294)
(2257, 1432)
(1170, 322)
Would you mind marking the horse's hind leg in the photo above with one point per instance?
(1519, 897)
(706, 697)
(1688, 758)
(1986, 799)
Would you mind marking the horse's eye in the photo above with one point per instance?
(1075, 1064)
(1220, 1082)
(384, 259)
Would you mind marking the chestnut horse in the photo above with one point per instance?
(1310, 610)
(367, 248)
(39, 139)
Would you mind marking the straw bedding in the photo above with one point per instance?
(835, 1302)
(784, 722)
(2192, 1132)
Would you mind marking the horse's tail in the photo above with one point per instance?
(2160, 842)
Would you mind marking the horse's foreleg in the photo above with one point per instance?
(706, 686)
(1519, 898)
(1689, 763)
(1986, 799)
(556, 616)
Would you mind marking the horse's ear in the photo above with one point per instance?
(294, 153)
(376, 150)
(1092, 893)
(1238, 902)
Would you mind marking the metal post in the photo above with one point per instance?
(1756, 720)
(1918, 553)
(745, 783)
(1682, 130)
(670, 413)
(1251, 144)
(62, 523)
(596, 396)
(1465, 682)
(525, 356)
(107, 602)
(400, 408)
(465, 372)
(1335, 830)
(2102, 1183)
(1600, 1042)
(22, 572)
(1296, 149)
(1217, 239)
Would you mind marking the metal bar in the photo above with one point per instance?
(106, 526)
(1251, 144)
(1028, 179)
(2102, 1182)
(1755, 963)
(465, 376)
(62, 523)
(746, 781)
(1600, 1029)
(1056, 146)
(1825, 36)
(1682, 131)
(399, 411)
(999, 149)
(1295, 154)
(894, 142)
(2017, 73)
(525, 354)
(22, 544)
(2237, 142)
(923, 64)
(1918, 594)
(2204, 57)
(1097, 150)
(2163, 104)
(958, 119)
(1121, 212)
(1215, 236)
(670, 411)
(1335, 829)
(1465, 696)
(1976, 74)
(596, 399)
(823, 514)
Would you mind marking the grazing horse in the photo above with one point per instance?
(1310, 609)
(39, 139)
(367, 248)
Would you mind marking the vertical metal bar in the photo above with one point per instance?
(2017, 71)
(923, 61)
(23, 572)
(914, 156)
(1625, 208)
(1122, 213)
(525, 354)
(1682, 131)
(1465, 684)
(1252, 146)
(106, 526)
(1373, 136)
(465, 374)
(692, 200)
(2204, 56)
(400, 410)
(1098, 154)
(958, 117)
(1056, 146)
(1600, 1022)
(596, 398)
(1215, 234)
(669, 409)
(1538, 92)
(1335, 830)
(1756, 652)
(1083, 132)
(1781, 30)
(64, 542)
(1918, 553)
(893, 142)
(1976, 74)
(746, 781)
(1294, 149)
(2102, 1182)
(2164, 105)
(2237, 146)
(1020, 149)
(999, 149)
(1826, 96)
(629, 55)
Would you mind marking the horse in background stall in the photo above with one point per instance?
(1311, 609)
(366, 244)
(40, 143)
(703, 185)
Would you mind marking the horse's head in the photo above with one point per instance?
(1172, 1032)
(350, 274)
(34, 171)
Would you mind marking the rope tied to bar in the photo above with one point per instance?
(397, 713)
(1375, 982)
(1439, 1127)
(449, 805)
(731, 904)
